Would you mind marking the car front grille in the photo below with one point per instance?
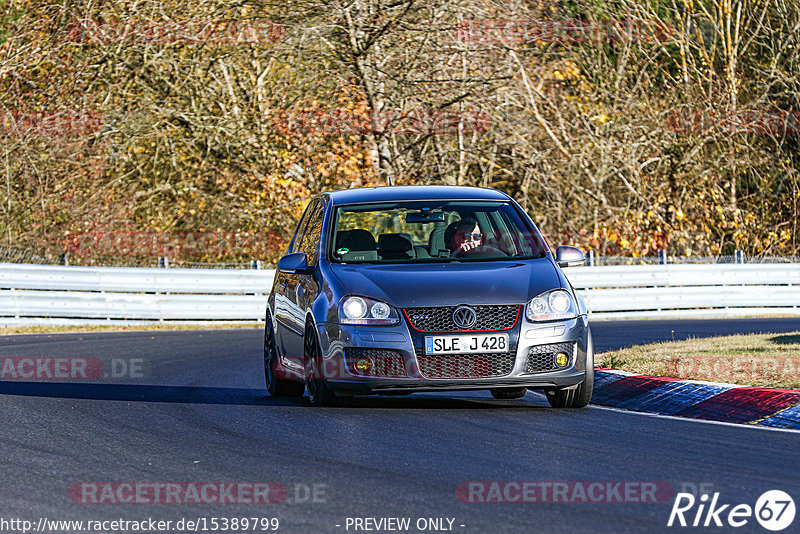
(542, 358)
(384, 363)
(440, 318)
(465, 365)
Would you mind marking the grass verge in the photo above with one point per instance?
(769, 360)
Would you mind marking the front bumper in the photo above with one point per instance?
(338, 341)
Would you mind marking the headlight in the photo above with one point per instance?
(361, 310)
(354, 308)
(380, 310)
(551, 305)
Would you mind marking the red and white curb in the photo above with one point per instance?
(696, 399)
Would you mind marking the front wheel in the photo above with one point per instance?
(319, 394)
(576, 397)
(277, 387)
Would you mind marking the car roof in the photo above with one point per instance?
(413, 192)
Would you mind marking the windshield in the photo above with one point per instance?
(423, 232)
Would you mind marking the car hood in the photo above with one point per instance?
(449, 284)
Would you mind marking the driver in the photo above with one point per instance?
(463, 236)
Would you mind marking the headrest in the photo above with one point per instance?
(357, 239)
(395, 243)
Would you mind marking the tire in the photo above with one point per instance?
(508, 393)
(576, 397)
(277, 387)
(319, 394)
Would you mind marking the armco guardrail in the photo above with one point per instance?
(717, 290)
(53, 294)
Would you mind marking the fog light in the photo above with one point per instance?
(363, 365)
(562, 359)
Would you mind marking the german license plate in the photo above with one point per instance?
(477, 343)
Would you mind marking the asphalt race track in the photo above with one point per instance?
(189, 406)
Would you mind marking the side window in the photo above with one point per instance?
(300, 230)
(310, 243)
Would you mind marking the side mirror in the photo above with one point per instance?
(295, 263)
(569, 256)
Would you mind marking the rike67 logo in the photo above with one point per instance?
(774, 510)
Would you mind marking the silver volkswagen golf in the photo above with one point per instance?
(395, 290)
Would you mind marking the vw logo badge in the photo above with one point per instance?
(464, 317)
